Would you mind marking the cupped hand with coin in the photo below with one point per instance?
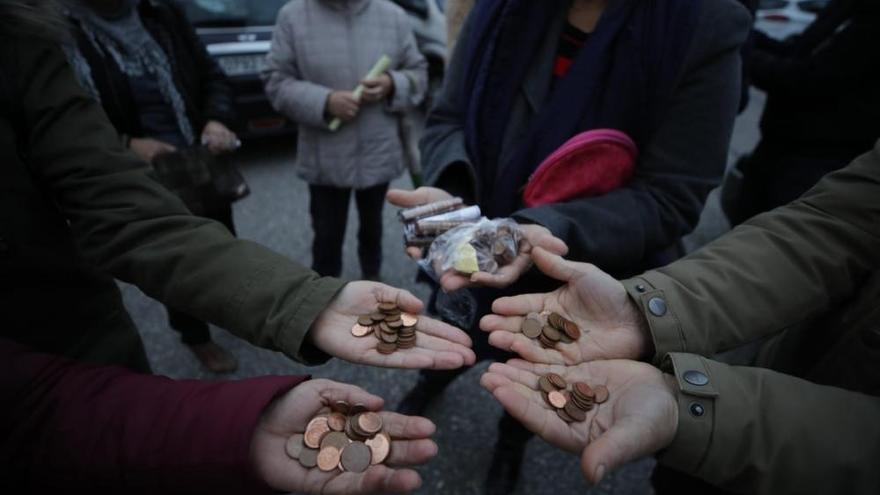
(533, 235)
(637, 416)
(368, 468)
(434, 345)
(610, 324)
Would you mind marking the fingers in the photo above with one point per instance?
(556, 267)
(332, 392)
(452, 281)
(516, 375)
(420, 196)
(376, 479)
(519, 305)
(443, 331)
(407, 427)
(617, 446)
(506, 275)
(525, 347)
(402, 298)
(414, 252)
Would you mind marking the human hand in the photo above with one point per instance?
(408, 199)
(148, 148)
(377, 89)
(639, 418)
(438, 345)
(612, 325)
(290, 414)
(218, 138)
(343, 105)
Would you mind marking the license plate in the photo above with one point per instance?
(239, 65)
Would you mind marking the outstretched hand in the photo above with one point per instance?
(611, 324)
(438, 345)
(640, 417)
(291, 413)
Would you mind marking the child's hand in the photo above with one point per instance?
(343, 105)
(377, 89)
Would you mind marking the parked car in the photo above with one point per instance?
(782, 18)
(238, 33)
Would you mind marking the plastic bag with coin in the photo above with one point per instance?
(484, 246)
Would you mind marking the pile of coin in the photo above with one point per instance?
(394, 328)
(550, 328)
(571, 405)
(424, 223)
(349, 438)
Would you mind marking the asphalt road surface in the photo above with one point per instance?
(276, 215)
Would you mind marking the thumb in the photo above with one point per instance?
(550, 242)
(615, 447)
(556, 267)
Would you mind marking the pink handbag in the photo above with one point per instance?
(591, 163)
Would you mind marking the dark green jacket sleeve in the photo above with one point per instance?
(779, 269)
(751, 430)
(127, 224)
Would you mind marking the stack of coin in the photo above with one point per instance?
(349, 438)
(394, 328)
(550, 328)
(572, 405)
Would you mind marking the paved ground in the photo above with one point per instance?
(276, 215)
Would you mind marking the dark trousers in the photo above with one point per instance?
(194, 331)
(329, 209)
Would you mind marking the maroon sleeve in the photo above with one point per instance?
(85, 428)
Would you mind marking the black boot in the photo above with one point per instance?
(510, 449)
(430, 385)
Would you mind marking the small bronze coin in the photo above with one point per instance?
(361, 330)
(357, 409)
(547, 343)
(377, 317)
(387, 307)
(546, 385)
(328, 459)
(551, 333)
(409, 320)
(380, 446)
(370, 423)
(336, 421)
(406, 345)
(388, 337)
(341, 406)
(351, 431)
(564, 416)
(571, 330)
(315, 431)
(556, 380)
(308, 458)
(356, 457)
(294, 446)
(407, 332)
(394, 324)
(575, 412)
(392, 317)
(335, 439)
(531, 326)
(386, 348)
(365, 321)
(556, 399)
(387, 329)
(583, 390)
(601, 393)
(565, 339)
(556, 320)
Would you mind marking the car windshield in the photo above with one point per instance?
(231, 13)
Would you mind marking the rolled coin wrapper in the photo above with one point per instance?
(430, 209)
(462, 215)
(381, 66)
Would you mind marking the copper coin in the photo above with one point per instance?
(308, 458)
(365, 321)
(575, 412)
(547, 343)
(392, 317)
(370, 423)
(581, 403)
(356, 457)
(388, 337)
(387, 329)
(351, 431)
(406, 345)
(294, 446)
(335, 439)
(551, 333)
(584, 390)
(357, 409)
(328, 459)
(336, 421)
(409, 320)
(387, 307)
(545, 385)
(315, 431)
(565, 339)
(361, 330)
(601, 393)
(396, 324)
(377, 317)
(407, 332)
(556, 380)
(564, 416)
(571, 330)
(556, 320)
(556, 399)
(380, 447)
(341, 406)
(531, 326)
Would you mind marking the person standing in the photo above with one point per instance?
(320, 51)
(163, 92)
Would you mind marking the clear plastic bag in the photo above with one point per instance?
(483, 246)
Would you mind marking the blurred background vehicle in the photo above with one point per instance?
(237, 33)
(782, 18)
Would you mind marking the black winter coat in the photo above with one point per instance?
(201, 82)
